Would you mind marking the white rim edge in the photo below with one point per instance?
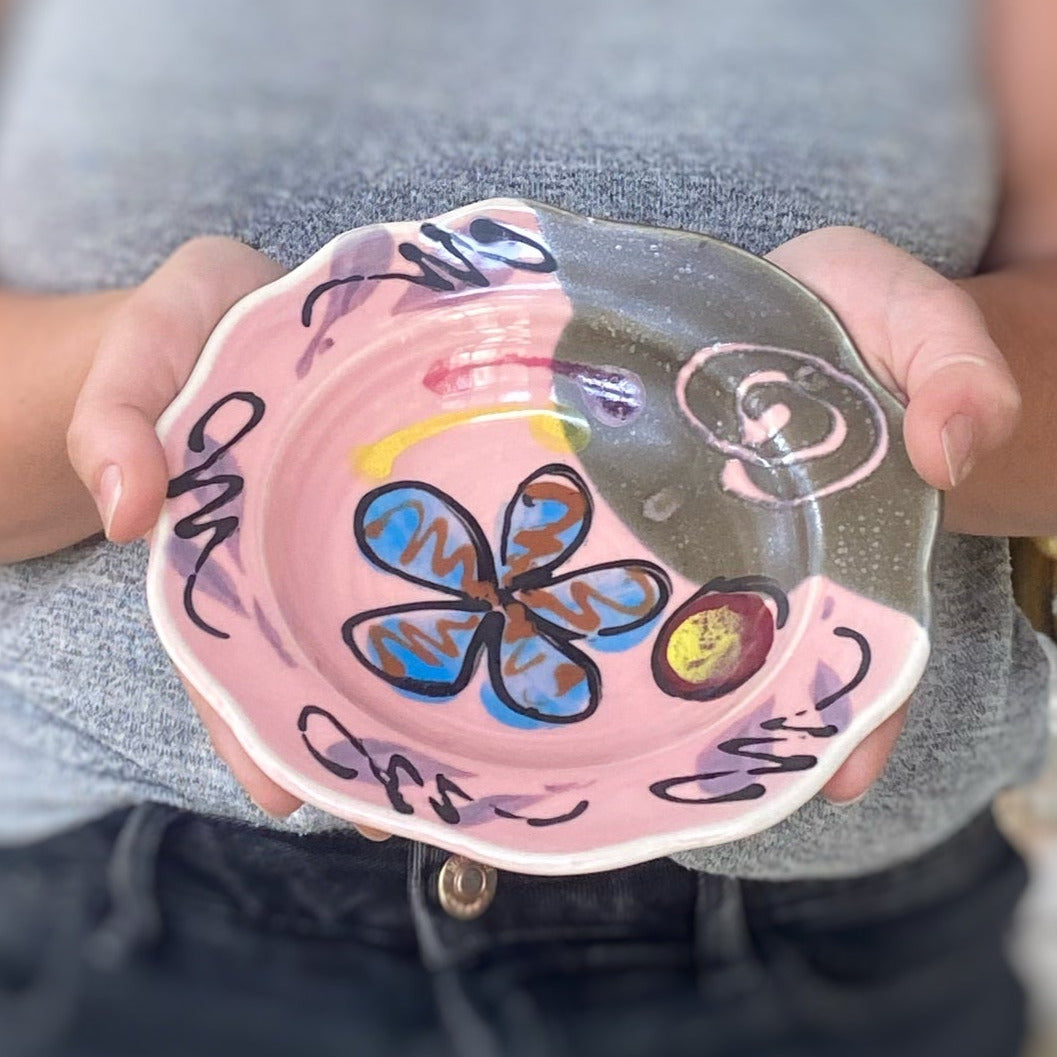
(626, 853)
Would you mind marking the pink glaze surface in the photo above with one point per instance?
(256, 569)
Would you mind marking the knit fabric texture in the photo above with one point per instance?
(128, 126)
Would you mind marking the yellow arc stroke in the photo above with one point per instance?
(560, 428)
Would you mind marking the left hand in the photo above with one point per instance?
(145, 351)
(925, 340)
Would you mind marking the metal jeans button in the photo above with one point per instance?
(465, 888)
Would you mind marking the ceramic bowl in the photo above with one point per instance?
(560, 543)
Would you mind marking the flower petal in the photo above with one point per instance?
(428, 648)
(418, 533)
(541, 677)
(607, 599)
(546, 521)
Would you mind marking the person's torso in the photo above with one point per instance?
(129, 127)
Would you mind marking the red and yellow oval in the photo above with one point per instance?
(712, 644)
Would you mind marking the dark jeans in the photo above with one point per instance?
(154, 932)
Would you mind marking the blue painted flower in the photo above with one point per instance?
(518, 613)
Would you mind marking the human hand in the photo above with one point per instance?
(143, 359)
(926, 341)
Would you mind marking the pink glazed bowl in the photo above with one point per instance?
(559, 543)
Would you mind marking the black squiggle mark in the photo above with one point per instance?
(741, 747)
(444, 807)
(432, 270)
(864, 667)
(782, 723)
(389, 772)
(231, 485)
(662, 789)
(554, 820)
(748, 748)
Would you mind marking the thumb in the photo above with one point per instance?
(141, 364)
(922, 336)
(962, 400)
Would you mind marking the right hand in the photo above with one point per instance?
(927, 342)
(145, 356)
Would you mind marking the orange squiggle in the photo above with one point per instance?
(513, 664)
(420, 643)
(543, 541)
(441, 563)
(584, 617)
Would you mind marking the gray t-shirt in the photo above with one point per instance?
(128, 126)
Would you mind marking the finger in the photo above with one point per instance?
(141, 364)
(923, 337)
(864, 766)
(271, 798)
(963, 401)
(372, 834)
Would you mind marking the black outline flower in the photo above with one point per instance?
(523, 616)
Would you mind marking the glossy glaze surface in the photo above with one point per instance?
(559, 543)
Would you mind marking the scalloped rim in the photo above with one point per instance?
(777, 807)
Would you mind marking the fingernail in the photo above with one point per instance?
(957, 440)
(376, 835)
(848, 803)
(109, 494)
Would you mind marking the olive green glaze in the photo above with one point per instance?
(646, 299)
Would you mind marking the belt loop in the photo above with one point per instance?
(134, 921)
(725, 954)
(468, 1029)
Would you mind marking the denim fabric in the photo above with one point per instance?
(154, 932)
